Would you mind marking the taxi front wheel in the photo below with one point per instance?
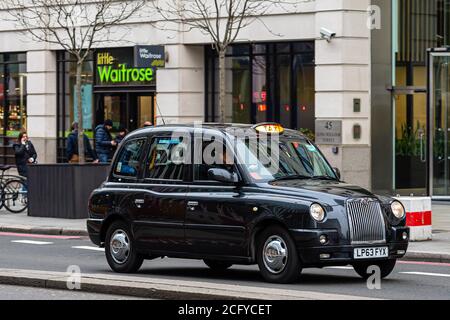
(386, 268)
(119, 249)
(277, 256)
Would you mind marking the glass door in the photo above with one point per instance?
(410, 143)
(439, 101)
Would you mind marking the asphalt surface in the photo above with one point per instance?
(410, 280)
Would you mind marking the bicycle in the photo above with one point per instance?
(13, 191)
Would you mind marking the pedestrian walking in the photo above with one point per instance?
(25, 154)
(72, 146)
(104, 141)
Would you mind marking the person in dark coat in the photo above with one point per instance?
(121, 135)
(104, 141)
(72, 146)
(25, 154)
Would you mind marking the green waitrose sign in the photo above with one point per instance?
(117, 67)
(123, 74)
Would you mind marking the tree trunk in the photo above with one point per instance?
(81, 152)
(222, 86)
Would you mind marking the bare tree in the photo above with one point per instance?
(76, 26)
(222, 21)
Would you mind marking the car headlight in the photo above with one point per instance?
(398, 210)
(317, 212)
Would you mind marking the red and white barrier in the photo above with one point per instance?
(418, 217)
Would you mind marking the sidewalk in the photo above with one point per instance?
(437, 250)
(22, 223)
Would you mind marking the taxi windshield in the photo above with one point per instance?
(283, 159)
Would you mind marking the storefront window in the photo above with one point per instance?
(284, 83)
(13, 95)
(13, 100)
(267, 82)
(420, 25)
(259, 95)
(67, 98)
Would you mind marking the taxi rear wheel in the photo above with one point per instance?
(217, 265)
(386, 268)
(277, 256)
(120, 250)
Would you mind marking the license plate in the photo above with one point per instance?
(370, 253)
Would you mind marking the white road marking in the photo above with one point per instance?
(40, 243)
(89, 248)
(340, 268)
(428, 274)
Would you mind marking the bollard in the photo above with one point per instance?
(418, 217)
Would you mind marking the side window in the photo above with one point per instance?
(128, 163)
(212, 156)
(166, 160)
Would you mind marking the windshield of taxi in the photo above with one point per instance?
(283, 159)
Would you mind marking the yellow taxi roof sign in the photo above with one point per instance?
(269, 128)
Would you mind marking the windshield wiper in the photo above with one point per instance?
(324, 178)
(292, 177)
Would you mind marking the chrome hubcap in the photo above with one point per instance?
(120, 246)
(275, 254)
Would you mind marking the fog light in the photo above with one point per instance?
(323, 239)
(324, 256)
(405, 236)
(401, 252)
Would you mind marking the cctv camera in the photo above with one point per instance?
(327, 34)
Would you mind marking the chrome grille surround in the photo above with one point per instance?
(366, 221)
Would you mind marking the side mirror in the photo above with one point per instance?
(338, 173)
(222, 175)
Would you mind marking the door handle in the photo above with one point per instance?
(191, 205)
(139, 203)
(422, 147)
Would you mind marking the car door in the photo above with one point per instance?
(216, 212)
(160, 225)
(124, 189)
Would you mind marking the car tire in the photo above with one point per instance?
(120, 249)
(217, 265)
(386, 268)
(285, 266)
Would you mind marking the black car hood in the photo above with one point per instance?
(326, 192)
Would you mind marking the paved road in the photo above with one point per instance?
(409, 281)
(27, 293)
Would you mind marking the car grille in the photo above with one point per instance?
(366, 221)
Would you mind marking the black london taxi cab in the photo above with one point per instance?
(240, 194)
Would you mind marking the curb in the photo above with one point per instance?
(44, 230)
(427, 257)
(157, 288)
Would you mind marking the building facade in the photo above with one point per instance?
(365, 94)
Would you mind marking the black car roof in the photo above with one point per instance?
(207, 125)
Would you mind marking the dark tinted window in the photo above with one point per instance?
(128, 163)
(165, 160)
(213, 156)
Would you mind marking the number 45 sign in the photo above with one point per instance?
(328, 132)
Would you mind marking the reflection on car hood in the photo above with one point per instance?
(326, 192)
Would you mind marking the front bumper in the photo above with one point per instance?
(311, 251)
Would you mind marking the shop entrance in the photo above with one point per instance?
(439, 126)
(129, 110)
